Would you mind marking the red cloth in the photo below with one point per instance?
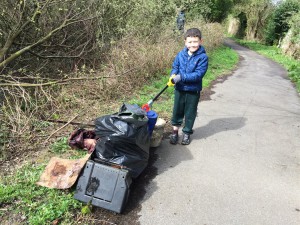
(83, 139)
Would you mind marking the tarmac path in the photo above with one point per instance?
(243, 164)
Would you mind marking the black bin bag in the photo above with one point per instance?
(124, 138)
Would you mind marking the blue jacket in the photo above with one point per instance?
(191, 69)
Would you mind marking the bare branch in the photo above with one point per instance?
(61, 56)
(65, 81)
(61, 128)
(10, 40)
(15, 33)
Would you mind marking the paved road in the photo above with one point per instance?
(243, 165)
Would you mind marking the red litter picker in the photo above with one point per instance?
(148, 105)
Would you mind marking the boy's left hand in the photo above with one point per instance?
(170, 82)
(176, 79)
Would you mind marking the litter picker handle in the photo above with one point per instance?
(156, 97)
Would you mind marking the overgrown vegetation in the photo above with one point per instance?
(75, 59)
(290, 64)
(268, 22)
(23, 206)
(51, 50)
(28, 112)
(280, 21)
(209, 10)
(60, 36)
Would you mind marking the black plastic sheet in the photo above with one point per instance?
(124, 138)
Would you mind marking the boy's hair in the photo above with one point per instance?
(193, 32)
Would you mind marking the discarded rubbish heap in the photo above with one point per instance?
(121, 152)
(124, 138)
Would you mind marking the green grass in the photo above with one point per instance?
(60, 146)
(290, 64)
(38, 205)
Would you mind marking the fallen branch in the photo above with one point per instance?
(73, 123)
(61, 128)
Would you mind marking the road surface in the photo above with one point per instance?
(243, 164)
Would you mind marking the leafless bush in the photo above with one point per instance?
(21, 113)
(130, 64)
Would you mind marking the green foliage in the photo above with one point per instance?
(87, 209)
(280, 21)
(294, 73)
(257, 13)
(292, 65)
(269, 32)
(40, 126)
(209, 10)
(37, 204)
(60, 146)
(294, 23)
(219, 10)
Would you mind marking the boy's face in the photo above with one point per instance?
(193, 43)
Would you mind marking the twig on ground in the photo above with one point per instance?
(73, 123)
(61, 128)
(102, 221)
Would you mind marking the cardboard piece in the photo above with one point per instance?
(62, 173)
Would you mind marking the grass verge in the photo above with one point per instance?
(290, 64)
(23, 202)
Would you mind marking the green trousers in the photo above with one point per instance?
(185, 107)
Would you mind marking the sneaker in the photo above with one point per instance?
(185, 139)
(174, 139)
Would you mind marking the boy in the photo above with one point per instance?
(188, 69)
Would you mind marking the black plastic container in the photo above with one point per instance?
(104, 186)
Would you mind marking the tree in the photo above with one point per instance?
(60, 35)
(257, 13)
(209, 10)
(39, 29)
(281, 21)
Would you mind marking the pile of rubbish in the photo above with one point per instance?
(124, 139)
(118, 151)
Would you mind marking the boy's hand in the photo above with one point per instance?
(170, 83)
(176, 79)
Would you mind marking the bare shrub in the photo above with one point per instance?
(21, 113)
(128, 65)
(132, 62)
(53, 36)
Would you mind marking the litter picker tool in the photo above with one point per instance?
(148, 105)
